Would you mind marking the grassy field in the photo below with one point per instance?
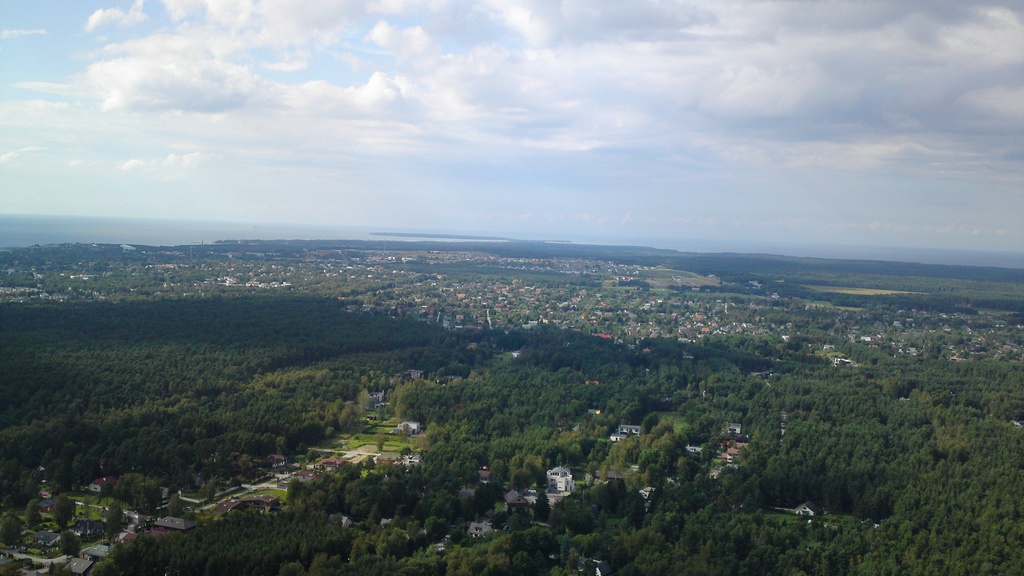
(665, 277)
(367, 439)
(855, 291)
(679, 422)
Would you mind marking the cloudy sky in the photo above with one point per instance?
(884, 123)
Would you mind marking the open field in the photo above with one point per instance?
(665, 277)
(856, 291)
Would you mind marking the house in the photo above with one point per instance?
(170, 523)
(131, 517)
(809, 509)
(262, 503)
(414, 374)
(618, 437)
(88, 528)
(46, 538)
(514, 499)
(329, 464)
(630, 429)
(478, 529)
(734, 428)
(95, 553)
(730, 454)
(560, 480)
(694, 449)
(96, 486)
(307, 475)
(275, 461)
(410, 428)
(599, 567)
(377, 399)
(80, 566)
(485, 475)
(46, 505)
(340, 520)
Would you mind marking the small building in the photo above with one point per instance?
(734, 428)
(307, 475)
(80, 566)
(617, 437)
(340, 520)
(690, 449)
(598, 567)
(88, 528)
(275, 461)
(263, 503)
(329, 464)
(514, 499)
(409, 427)
(377, 399)
(170, 523)
(95, 553)
(560, 480)
(630, 429)
(478, 529)
(484, 475)
(809, 509)
(46, 538)
(96, 486)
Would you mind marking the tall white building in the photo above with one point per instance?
(560, 480)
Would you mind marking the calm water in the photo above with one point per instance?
(19, 230)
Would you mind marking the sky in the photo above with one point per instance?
(874, 123)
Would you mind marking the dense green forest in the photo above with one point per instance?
(916, 459)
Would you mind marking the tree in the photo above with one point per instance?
(106, 491)
(10, 529)
(115, 522)
(175, 507)
(32, 515)
(70, 543)
(542, 508)
(64, 511)
(209, 490)
(650, 422)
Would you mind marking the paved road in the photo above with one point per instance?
(37, 559)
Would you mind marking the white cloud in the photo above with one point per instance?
(173, 72)
(190, 160)
(6, 34)
(9, 156)
(405, 43)
(132, 164)
(676, 98)
(104, 17)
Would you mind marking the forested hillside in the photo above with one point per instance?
(913, 463)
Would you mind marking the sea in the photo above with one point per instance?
(31, 230)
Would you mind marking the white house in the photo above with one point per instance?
(411, 428)
(560, 480)
(629, 429)
(477, 529)
(809, 509)
(96, 486)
